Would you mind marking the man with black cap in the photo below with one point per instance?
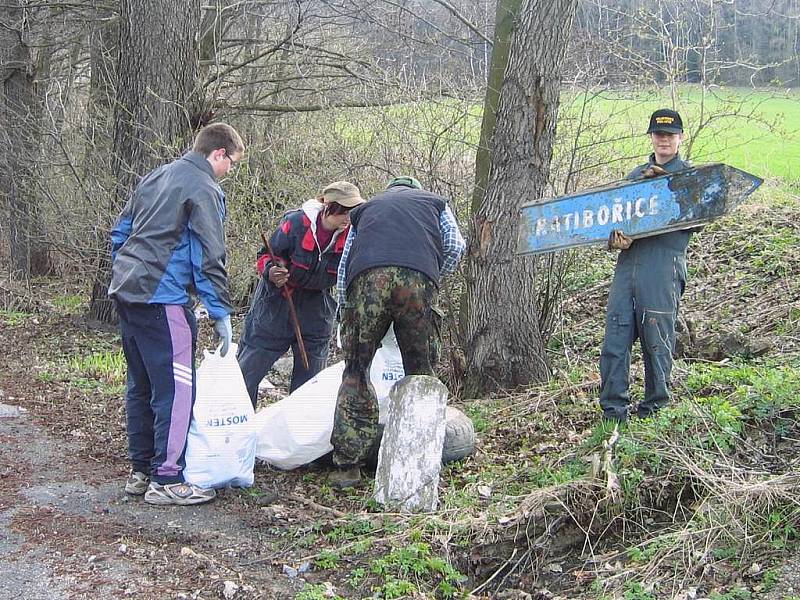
(649, 280)
(401, 243)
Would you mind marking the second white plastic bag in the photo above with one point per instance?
(297, 430)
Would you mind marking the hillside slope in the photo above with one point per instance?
(699, 502)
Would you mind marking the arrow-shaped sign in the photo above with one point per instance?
(640, 208)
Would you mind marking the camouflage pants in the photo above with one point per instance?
(375, 299)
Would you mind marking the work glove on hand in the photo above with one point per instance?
(222, 327)
(618, 240)
(653, 171)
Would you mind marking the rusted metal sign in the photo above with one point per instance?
(639, 208)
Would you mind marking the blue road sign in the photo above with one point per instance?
(638, 208)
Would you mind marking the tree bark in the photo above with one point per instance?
(103, 58)
(503, 341)
(156, 96)
(504, 26)
(20, 116)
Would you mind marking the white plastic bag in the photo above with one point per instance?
(221, 446)
(386, 370)
(297, 429)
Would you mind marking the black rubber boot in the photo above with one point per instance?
(345, 478)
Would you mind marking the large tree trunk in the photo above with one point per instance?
(97, 163)
(503, 340)
(156, 97)
(20, 114)
(103, 59)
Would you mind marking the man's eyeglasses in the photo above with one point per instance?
(233, 162)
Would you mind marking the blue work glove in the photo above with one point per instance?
(224, 332)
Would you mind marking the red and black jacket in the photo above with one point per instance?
(296, 246)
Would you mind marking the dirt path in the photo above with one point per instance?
(67, 530)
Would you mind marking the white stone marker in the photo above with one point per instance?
(410, 458)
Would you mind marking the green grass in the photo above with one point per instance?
(480, 414)
(758, 131)
(414, 569)
(755, 130)
(316, 592)
(70, 303)
(13, 317)
(636, 591)
(737, 593)
(107, 367)
(351, 530)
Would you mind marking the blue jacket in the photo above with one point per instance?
(169, 240)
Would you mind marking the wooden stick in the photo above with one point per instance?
(292, 312)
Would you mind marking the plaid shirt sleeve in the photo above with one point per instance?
(341, 275)
(452, 241)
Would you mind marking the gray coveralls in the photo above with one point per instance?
(643, 302)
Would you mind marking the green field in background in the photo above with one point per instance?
(755, 130)
(758, 131)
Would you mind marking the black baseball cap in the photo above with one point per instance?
(666, 120)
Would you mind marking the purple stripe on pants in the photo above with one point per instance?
(182, 360)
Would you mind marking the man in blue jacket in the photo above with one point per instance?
(401, 243)
(645, 294)
(170, 241)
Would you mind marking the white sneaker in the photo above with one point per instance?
(181, 494)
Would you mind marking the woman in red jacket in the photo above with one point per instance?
(307, 246)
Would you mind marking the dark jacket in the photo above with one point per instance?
(170, 239)
(657, 249)
(297, 247)
(312, 274)
(400, 228)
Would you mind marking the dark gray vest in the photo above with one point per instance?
(397, 228)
